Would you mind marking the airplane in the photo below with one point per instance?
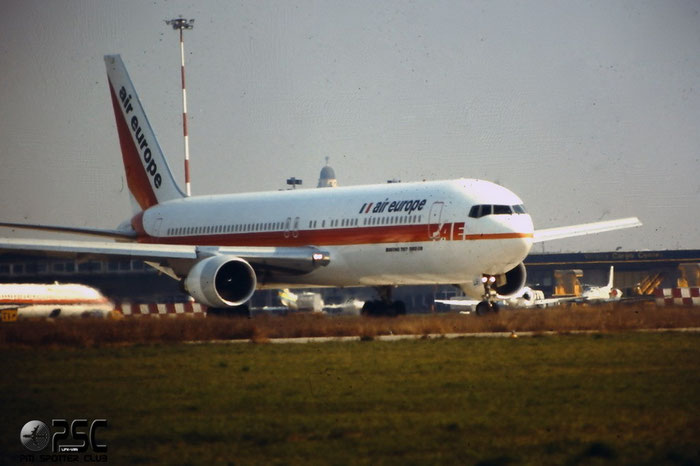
(525, 298)
(528, 297)
(349, 307)
(601, 293)
(54, 300)
(222, 248)
(306, 301)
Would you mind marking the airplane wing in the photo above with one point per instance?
(549, 234)
(552, 301)
(78, 230)
(458, 302)
(295, 260)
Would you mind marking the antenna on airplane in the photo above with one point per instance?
(182, 24)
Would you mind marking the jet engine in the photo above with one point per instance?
(221, 281)
(505, 285)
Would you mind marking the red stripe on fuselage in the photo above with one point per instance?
(136, 177)
(325, 237)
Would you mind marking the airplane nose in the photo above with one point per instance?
(513, 235)
(523, 224)
(519, 234)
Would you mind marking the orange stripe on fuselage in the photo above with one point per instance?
(327, 237)
(498, 236)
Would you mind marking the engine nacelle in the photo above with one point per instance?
(221, 281)
(507, 284)
(514, 281)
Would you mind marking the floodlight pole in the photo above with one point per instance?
(182, 24)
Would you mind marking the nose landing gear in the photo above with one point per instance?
(489, 303)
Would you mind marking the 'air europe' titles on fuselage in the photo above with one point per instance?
(393, 206)
(149, 163)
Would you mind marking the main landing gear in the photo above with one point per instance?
(384, 307)
(489, 303)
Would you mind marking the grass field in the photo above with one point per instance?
(619, 398)
(88, 333)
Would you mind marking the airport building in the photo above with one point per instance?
(650, 269)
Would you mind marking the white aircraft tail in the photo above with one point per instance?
(610, 279)
(147, 173)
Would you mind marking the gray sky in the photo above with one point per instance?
(587, 110)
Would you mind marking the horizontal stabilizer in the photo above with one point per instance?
(549, 234)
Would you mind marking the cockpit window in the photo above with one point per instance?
(482, 210)
(502, 210)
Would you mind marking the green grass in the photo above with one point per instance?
(597, 399)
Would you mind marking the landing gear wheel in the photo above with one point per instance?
(483, 308)
(382, 309)
(371, 308)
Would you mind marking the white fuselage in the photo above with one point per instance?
(375, 235)
(53, 300)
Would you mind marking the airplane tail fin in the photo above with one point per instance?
(610, 279)
(147, 173)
